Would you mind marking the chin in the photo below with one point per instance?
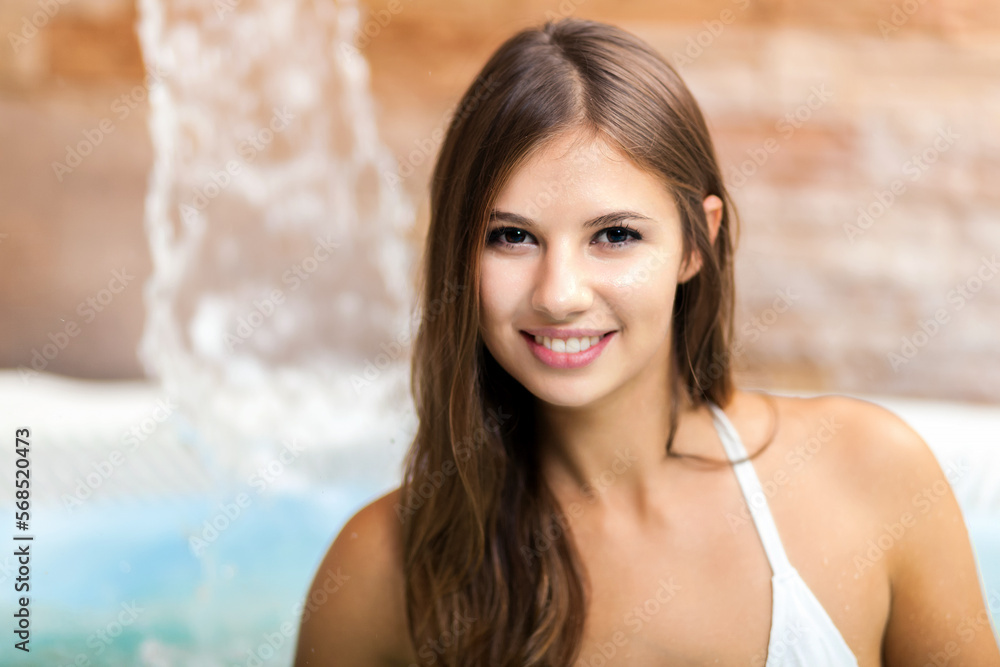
(566, 396)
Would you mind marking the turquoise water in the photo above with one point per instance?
(118, 584)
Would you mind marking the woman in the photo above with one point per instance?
(579, 490)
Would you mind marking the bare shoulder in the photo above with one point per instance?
(354, 611)
(864, 451)
(874, 446)
(852, 432)
(875, 456)
(864, 446)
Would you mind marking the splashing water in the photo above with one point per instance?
(280, 263)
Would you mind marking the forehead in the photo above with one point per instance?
(577, 170)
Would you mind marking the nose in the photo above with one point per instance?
(562, 287)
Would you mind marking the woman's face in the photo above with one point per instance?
(581, 239)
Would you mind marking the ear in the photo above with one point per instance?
(713, 216)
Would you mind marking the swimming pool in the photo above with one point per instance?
(116, 578)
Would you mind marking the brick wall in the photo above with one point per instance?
(860, 140)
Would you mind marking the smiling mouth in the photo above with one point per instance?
(569, 345)
(568, 353)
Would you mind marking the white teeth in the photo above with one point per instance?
(568, 345)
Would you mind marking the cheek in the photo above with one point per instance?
(498, 295)
(649, 281)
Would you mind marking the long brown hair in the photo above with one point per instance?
(492, 577)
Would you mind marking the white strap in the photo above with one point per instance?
(752, 492)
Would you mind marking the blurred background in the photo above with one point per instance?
(175, 177)
(852, 102)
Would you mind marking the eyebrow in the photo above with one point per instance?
(600, 221)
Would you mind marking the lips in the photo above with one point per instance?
(553, 332)
(557, 358)
(568, 344)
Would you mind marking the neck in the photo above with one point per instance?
(612, 453)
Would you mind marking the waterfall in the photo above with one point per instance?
(280, 262)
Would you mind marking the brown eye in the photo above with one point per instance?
(506, 236)
(619, 236)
